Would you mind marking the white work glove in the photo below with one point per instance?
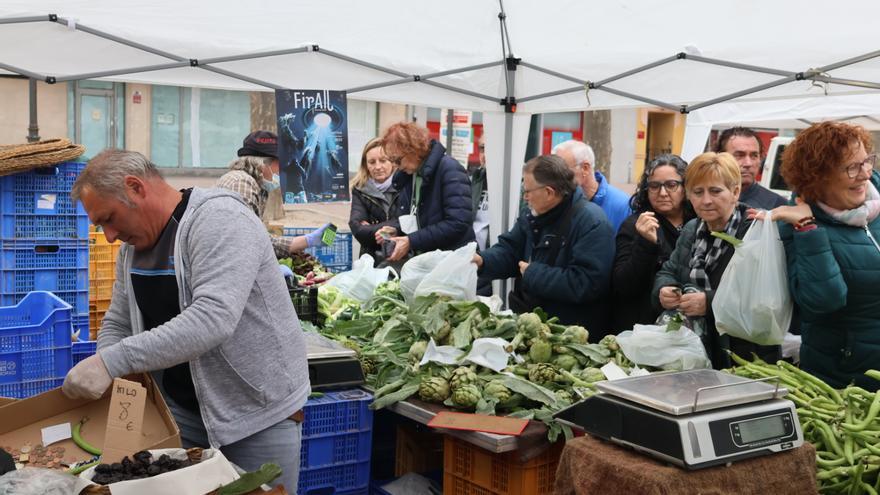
(89, 379)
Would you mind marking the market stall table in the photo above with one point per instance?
(593, 466)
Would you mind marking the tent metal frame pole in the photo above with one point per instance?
(735, 65)
(730, 96)
(551, 93)
(385, 84)
(553, 73)
(23, 72)
(872, 119)
(469, 68)
(630, 72)
(462, 91)
(132, 70)
(847, 82)
(21, 20)
(120, 40)
(363, 63)
(658, 103)
(250, 56)
(849, 61)
(33, 126)
(240, 77)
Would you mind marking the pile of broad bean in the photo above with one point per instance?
(843, 425)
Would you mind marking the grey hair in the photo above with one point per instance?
(582, 152)
(551, 170)
(251, 165)
(106, 172)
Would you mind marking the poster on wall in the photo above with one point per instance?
(313, 145)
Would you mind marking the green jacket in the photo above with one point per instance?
(834, 276)
(676, 272)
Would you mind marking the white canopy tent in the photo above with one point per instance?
(536, 57)
(783, 113)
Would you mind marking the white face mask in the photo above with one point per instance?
(271, 185)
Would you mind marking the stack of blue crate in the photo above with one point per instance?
(44, 240)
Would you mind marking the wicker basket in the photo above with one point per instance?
(15, 158)
(194, 454)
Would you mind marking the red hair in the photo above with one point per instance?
(816, 153)
(409, 139)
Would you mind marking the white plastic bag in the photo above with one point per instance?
(652, 345)
(455, 276)
(752, 301)
(416, 269)
(361, 281)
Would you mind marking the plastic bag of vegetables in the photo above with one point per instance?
(361, 281)
(447, 273)
(653, 345)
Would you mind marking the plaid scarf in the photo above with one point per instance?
(708, 249)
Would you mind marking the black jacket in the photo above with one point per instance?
(636, 262)
(445, 214)
(676, 272)
(574, 285)
(368, 204)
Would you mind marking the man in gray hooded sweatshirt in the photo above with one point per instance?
(198, 300)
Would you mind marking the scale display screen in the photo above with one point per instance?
(756, 430)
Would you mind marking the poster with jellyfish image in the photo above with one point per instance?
(312, 145)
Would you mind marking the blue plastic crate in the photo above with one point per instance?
(337, 257)
(37, 204)
(78, 300)
(82, 349)
(48, 254)
(34, 340)
(340, 480)
(343, 411)
(23, 390)
(52, 280)
(344, 448)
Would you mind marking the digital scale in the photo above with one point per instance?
(331, 364)
(694, 419)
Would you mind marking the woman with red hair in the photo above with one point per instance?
(832, 242)
(434, 205)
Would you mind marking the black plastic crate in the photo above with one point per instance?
(305, 302)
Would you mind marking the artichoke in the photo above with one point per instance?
(368, 365)
(564, 396)
(352, 345)
(417, 350)
(575, 334)
(592, 375)
(433, 389)
(541, 351)
(461, 376)
(466, 396)
(497, 390)
(566, 361)
(543, 373)
(443, 332)
(610, 342)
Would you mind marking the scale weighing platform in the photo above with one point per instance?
(694, 419)
(331, 364)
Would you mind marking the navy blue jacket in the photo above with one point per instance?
(575, 285)
(445, 212)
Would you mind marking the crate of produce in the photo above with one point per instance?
(78, 300)
(337, 258)
(34, 344)
(470, 470)
(80, 325)
(305, 302)
(338, 412)
(55, 254)
(37, 204)
(82, 349)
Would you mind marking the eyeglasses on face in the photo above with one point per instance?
(670, 185)
(529, 191)
(854, 169)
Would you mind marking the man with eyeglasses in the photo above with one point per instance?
(581, 160)
(748, 151)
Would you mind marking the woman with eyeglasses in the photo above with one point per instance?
(688, 279)
(832, 244)
(434, 206)
(646, 239)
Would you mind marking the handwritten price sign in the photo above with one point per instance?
(125, 420)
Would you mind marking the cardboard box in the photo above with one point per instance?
(21, 421)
